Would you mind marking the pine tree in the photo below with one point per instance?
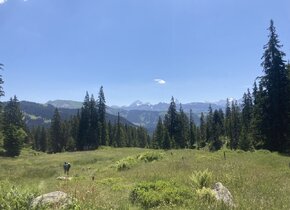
(192, 131)
(158, 135)
(110, 134)
(257, 122)
(56, 133)
(182, 129)
(84, 124)
(209, 125)
(274, 84)
(119, 138)
(43, 140)
(36, 137)
(75, 123)
(166, 144)
(171, 119)
(216, 132)
(94, 125)
(142, 136)
(227, 120)
(235, 125)
(246, 118)
(1, 82)
(288, 99)
(14, 133)
(102, 117)
(202, 131)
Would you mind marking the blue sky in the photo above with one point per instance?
(194, 50)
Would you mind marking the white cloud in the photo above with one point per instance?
(160, 81)
(2, 1)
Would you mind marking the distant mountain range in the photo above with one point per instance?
(41, 114)
(196, 107)
(138, 113)
(146, 114)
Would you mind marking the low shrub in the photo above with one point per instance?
(150, 156)
(206, 195)
(13, 198)
(201, 179)
(159, 193)
(129, 162)
(126, 163)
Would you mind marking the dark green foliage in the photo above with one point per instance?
(275, 89)
(159, 193)
(158, 135)
(192, 131)
(142, 137)
(246, 119)
(167, 142)
(257, 122)
(209, 125)
(202, 131)
(182, 132)
(13, 128)
(102, 117)
(217, 130)
(171, 119)
(56, 138)
(1, 82)
(235, 125)
(12, 197)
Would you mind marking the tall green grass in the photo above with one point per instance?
(257, 180)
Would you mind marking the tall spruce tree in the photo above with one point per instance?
(274, 84)
(158, 135)
(235, 125)
(43, 140)
(171, 120)
(246, 119)
(56, 137)
(192, 131)
(217, 130)
(13, 126)
(1, 81)
(227, 120)
(209, 125)
(84, 124)
(102, 117)
(182, 129)
(258, 115)
(94, 125)
(202, 131)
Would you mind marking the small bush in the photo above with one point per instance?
(129, 162)
(150, 156)
(125, 164)
(159, 193)
(201, 179)
(206, 195)
(14, 198)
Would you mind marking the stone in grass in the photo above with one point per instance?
(64, 178)
(223, 194)
(56, 199)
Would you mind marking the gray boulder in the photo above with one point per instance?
(223, 194)
(55, 199)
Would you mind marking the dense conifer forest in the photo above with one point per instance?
(262, 121)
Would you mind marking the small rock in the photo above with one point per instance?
(64, 178)
(223, 194)
(55, 199)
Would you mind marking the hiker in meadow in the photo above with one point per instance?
(66, 167)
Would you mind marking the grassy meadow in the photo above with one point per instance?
(105, 178)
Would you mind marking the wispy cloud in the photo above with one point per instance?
(160, 81)
(2, 1)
